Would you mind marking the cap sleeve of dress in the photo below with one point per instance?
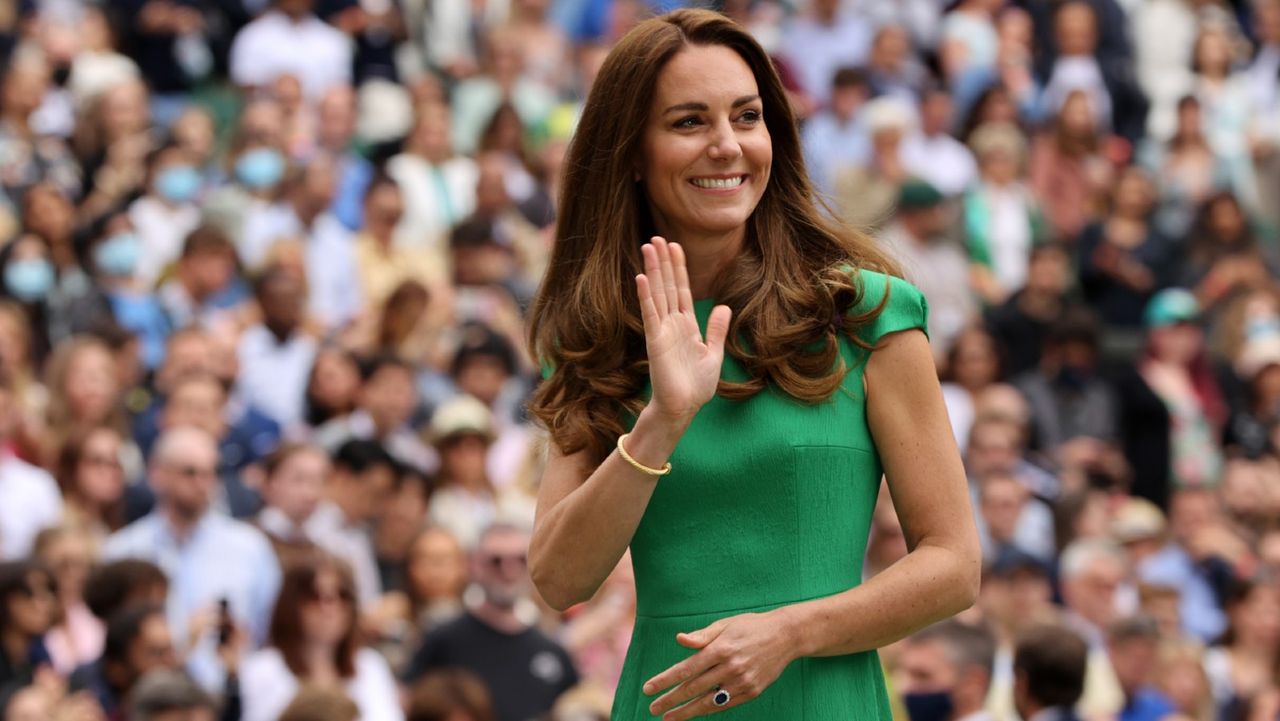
(905, 309)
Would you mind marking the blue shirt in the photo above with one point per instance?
(1201, 615)
(830, 146)
(222, 558)
(1147, 704)
(141, 315)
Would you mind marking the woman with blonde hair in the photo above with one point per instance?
(741, 469)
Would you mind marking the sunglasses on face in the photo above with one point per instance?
(189, 471)
(344, 596)
(38, 591)
(497, 560)
(101, 461)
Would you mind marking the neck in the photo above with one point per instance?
(180, 523)
(306, 212)
(503, 619)
(707, 255)
(1030, 709)
(18, 121)
(1253, 649)
(319, 658)
(15, 645)
(340, 501)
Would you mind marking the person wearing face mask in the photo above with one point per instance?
(27, 276)
(944, 671)
(164, 215)
(1069, 401)
(71, 304)
(116, 254)
(259, 173)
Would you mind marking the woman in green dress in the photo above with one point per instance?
(729, 374)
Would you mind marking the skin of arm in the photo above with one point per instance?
(605, 506)
(939, 576)
(936, 579)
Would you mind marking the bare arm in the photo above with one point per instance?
(939, 577)
(586, 517)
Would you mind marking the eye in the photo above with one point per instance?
(751, 117)
(687, 122)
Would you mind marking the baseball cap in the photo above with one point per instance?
(1169, 306)
(463, 414)
(1137, 519)
(915, 194)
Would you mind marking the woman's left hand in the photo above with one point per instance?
(742, 654)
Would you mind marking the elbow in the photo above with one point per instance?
(968, 571)
(551, 586)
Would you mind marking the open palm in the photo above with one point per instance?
(683, 368)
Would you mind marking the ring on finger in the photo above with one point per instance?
(721, 696)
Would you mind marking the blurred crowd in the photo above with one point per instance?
(263, 269)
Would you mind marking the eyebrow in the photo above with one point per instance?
(704, 107)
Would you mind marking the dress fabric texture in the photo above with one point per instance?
(769, 503)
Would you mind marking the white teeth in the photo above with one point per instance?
(719, 182)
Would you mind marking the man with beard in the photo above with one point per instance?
(524, 669)
(207, 556)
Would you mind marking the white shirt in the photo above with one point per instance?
(265, 224)
(29, 503)
(940, 159)
(329, 528)
(815, 51)
(436, 197)
(1071, 73)
(220, 558)
(162, 231)
(332, 275)
(941, 271)
(317, 53)
(273, 375)
(267, 686)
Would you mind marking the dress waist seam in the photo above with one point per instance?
(742, 609)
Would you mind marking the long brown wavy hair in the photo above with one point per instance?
(789, 295)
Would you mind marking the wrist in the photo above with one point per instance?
(654, 437)
(794, 628)
(653, 420)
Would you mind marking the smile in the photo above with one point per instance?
(719, 183)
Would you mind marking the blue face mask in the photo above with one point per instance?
(178, 183)
(260, 169)
(118, 255)
(29, 279)
(931, 706)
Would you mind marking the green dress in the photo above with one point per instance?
(769, 503)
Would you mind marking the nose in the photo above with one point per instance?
(724, 142)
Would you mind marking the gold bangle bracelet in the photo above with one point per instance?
(666, 467)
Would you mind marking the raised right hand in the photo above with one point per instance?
(683, 368)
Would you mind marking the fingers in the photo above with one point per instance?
(648, 308)
(686, 669)
(691, 689)
(718, 328)
(702, 706)
(653, 274)
(668, 273)
(683, 293)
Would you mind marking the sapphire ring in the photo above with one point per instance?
(721, 698)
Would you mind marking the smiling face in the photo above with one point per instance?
(706, 150)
